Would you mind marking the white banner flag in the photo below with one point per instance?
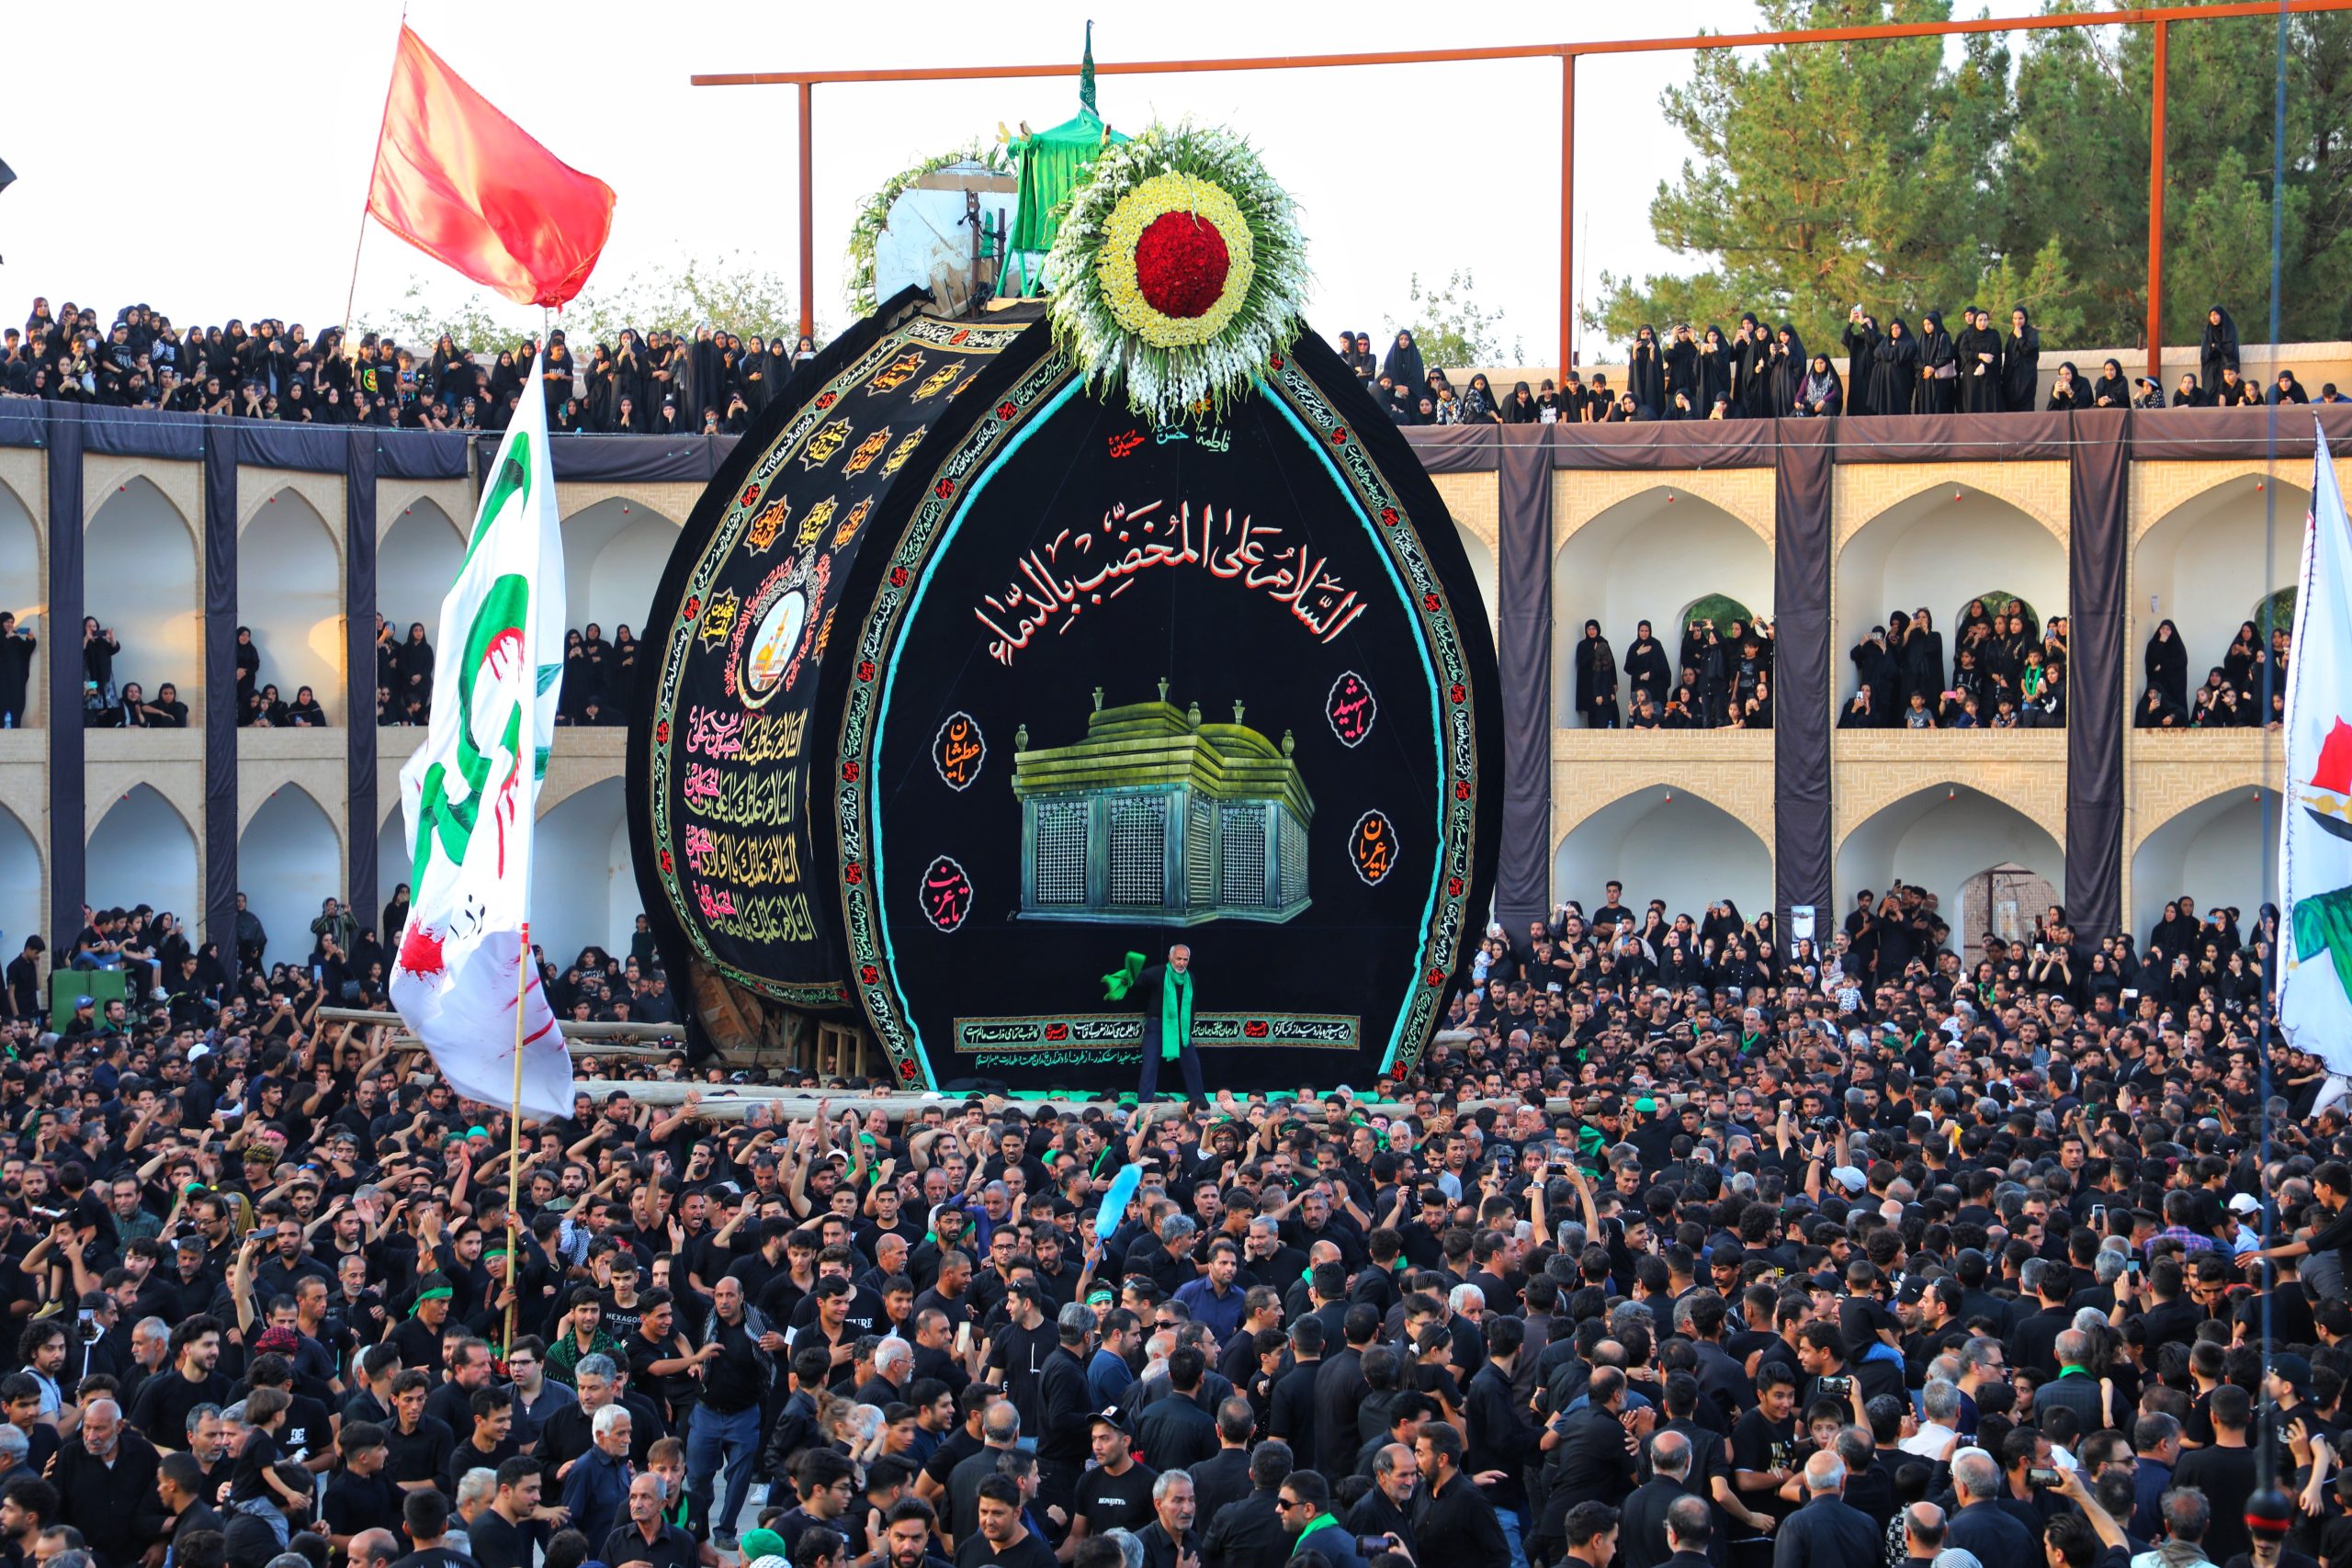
(471, 791)
(2315, 835)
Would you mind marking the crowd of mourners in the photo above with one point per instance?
(598, 682)
(2005, 671)
(1721, 677)
(1760, 372)
(655, 383)
(1685, 1245)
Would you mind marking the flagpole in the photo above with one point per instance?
(514, 1132)
(350, 330)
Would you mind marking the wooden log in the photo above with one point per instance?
(617, 1032)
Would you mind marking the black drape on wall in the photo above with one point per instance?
(220, 698)
(1803, 556)
(68, 848)
(1523, 654)
(2100, 538)
(359, 675)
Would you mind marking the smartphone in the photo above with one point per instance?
(2048, 1480)
(2098, 1214)
(2132, 1268)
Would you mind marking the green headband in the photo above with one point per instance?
(440, 1292)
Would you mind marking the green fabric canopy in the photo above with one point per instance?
(1053, 164)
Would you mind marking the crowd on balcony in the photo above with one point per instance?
(662, 383)
(1760, 372)
(599, 676)
(2004, 674)
(2246, 691)
(1720, 678)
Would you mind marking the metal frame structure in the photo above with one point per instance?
(2160, 18)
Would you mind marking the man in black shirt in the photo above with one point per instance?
(646, 1537)
(358, 1497)
(1116, 1491)
(1018, 1351)
(418, 1446)
(1002, 1540)
(162, 1409)
(505, 1534)
(426, 1515)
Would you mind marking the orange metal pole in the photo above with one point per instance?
(807, 210)
(1567, 212)
(2145, 15)
(2156, 214)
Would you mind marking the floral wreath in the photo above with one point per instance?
(1179, 271)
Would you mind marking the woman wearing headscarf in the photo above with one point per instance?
(1821, 395)
(2287, 389)
(1645, 372)
(1682, 399)
(416, 667)
(2068, 391)
(2021, 362)
(1861, 339)
(2217, 350)
(1520, 407)
(2151, 392)
(1922, 661)
(1979, 348)
(2188, 394)
(1645, 667)
(1596, 680)
(1715, 372)
(1937, 389)
(2111, 390)
(1788, 369)
(1403, 365)
(1478, 403)
(248, 659)
(1751, 369)
(2167, 663)
(1895, 369)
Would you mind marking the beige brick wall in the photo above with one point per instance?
(1728, 769)
(1581, 495)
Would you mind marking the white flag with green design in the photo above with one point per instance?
(471, 790)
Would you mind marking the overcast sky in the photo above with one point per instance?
(231, 180)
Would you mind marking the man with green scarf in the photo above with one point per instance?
(1164, 993)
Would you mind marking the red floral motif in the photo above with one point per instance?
(865, 669)
(853, 873)
(1434, 977)
(662, 733)
(1458, 693)
(1007, 409)
(1454, 887)
(1340, 436)
(849, 772)
(1461, 789)
(693, 606)
(907, 1071)
(962, 334)
(898, 577)
(668, 865)
(1276, 362)
(827, 401)
(1181, 264)
(943, 489)
(1429, 601)
(868, 974)
(1388, 517)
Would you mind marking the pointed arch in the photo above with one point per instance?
(614, 553)
(1919, 551)
(1631, 561)
(583, 883)
(2208, 560)
(289, 860)
(143, 579)
(143, 850)
(289, 594)
(24, 594)
(1664, 841)
(23, 876)
(2221, 851)
(1937, 839)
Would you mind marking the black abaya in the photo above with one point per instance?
(1979, 349)
(1861, 339)
(2217, 349)
(1936, 394)
(1895, 369)
(2020, 367)
(2167, 663)
(1645, 374)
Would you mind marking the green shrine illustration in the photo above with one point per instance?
(1158, 817)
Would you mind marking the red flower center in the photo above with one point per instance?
(1181, 264)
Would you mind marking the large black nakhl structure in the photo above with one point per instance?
(970, 681)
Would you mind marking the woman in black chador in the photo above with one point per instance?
(1979, 348)
(1938, 383)
(1788, 369)
(1595, 679)
(2020, 363)
(1895, 370)
(2218, 350)
(1645, 374)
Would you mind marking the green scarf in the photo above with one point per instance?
(1175, 1003)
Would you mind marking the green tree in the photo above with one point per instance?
(475, 323)
(1826, 176)
(1451, 329)
(727, 292)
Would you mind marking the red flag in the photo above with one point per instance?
(466, 185)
